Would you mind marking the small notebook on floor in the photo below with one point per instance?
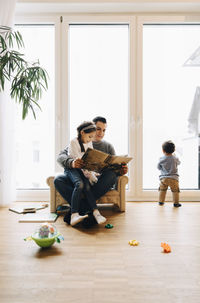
(22, 210)
(25, 210)
(49, 217)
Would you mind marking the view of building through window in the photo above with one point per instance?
(171, 100)
(35, 138)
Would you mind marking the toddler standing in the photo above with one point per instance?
(169, 173)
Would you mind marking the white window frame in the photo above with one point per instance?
(104, 19)
(61, 85)
(135, 191)
(152, 195)
(43, 194)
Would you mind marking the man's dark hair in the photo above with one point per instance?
(100, 119)
(168, 147)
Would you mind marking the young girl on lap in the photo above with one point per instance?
(83, 179)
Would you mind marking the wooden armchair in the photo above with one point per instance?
(115, 197)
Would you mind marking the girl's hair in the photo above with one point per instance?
(168, 147)
(87, 127)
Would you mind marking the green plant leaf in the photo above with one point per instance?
(28, 81)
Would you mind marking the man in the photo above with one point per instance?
(106, 180)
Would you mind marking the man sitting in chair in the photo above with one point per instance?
(106, 180)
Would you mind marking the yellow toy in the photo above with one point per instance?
(133, 243)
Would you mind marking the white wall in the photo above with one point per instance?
(102, 6)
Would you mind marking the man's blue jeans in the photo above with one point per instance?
(65, 187)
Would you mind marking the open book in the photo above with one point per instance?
(96, 160)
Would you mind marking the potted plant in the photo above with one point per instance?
(27, 80)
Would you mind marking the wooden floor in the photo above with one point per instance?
(98, 265)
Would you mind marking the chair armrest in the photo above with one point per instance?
(121, 182)
(121, 188)
(50, 182)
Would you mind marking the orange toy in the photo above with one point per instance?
(166, 247)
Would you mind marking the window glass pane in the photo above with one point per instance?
(171, 96)
(98, 56)
(35, 138)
